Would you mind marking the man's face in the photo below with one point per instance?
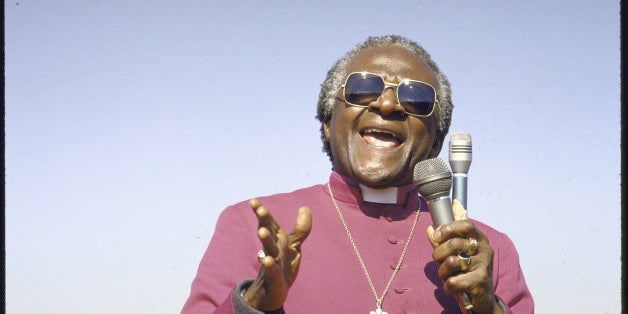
(378, 146)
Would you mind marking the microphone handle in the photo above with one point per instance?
(440, 210)
(459, 182)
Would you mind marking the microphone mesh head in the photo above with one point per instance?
(432, 178)
(460, 136)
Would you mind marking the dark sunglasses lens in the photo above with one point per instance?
(416, 97)
(363, 88)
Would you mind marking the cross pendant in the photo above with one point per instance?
(378, 311)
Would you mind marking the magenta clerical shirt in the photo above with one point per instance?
(330, 279)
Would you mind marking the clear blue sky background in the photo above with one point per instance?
(131, 124)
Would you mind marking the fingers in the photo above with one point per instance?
(267, 230)
(460, 237)
(270, 266)
(462, 282)
(456, 229)
(454, 265)
(269, 244)
(264, 218)
(461, 272)
(455, 237)
(279, 268)
(465, 262)
(450, 248)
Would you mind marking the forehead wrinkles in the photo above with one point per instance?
(391, 63)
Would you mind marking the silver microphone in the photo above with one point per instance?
(460, 161)
(433, 181)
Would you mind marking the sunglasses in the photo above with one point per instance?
(417, 98)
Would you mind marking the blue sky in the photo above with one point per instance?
(131, 124)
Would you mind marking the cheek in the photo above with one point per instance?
(336, 133)
(424, 135)
(341, 124)
(430, 125)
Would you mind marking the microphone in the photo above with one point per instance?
(433, 181)
(460, 161)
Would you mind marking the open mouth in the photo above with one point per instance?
(379, 138)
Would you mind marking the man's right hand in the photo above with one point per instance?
(279, 269)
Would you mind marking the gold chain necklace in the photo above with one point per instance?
(378, 300)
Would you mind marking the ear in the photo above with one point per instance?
(326, 131)
(439, 138)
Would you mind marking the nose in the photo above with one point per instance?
(387, 104)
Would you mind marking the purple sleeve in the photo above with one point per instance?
(508, 281)
(228, 260)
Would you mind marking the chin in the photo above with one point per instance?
(381, 179)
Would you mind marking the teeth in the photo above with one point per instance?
(377, 132)
(379, 138)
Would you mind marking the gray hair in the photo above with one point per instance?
(336, 75)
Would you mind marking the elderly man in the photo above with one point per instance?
(384, 107)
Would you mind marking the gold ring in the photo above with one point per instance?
(473, 246)
(465, 260)
(260, 255)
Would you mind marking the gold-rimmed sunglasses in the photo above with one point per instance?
(362, 88)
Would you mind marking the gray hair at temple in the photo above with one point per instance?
(336, 75)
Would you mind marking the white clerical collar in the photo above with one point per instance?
(383, 196)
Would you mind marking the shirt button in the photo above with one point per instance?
(401, 290)
(393, 265)
(392, 240)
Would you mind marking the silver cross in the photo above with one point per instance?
(378, 311)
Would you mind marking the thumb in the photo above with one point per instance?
(430, 236)
(302, 227)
